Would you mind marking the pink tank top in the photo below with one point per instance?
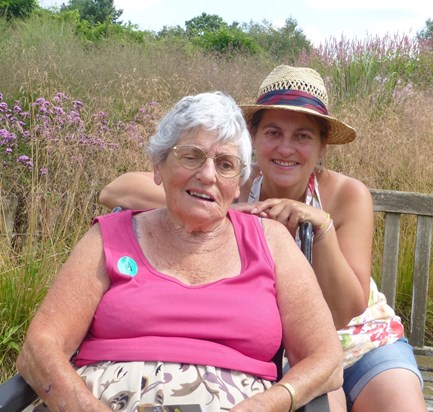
(232, 323)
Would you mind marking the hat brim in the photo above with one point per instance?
(339, 132)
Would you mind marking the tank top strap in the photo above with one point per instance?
(121, 257)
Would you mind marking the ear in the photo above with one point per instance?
(238, 192)
(157, 175)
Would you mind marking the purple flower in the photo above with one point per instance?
(43, 171)
(40, 101)
(3, 106)
(7, 137)
(59, 111)
(59, 97)
(17, 107)
(77, 104)
(43, 104)
(74, 117)
(23, 159)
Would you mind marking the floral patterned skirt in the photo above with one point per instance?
(131, 386)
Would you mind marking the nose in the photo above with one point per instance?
(286, 146)
(207, 172)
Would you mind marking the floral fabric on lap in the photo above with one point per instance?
(130, 386)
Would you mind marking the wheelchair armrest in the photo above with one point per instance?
(319, 404)
(16, 394)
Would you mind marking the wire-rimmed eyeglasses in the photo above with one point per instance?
(193, 157)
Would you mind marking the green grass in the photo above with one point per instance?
(21, 289)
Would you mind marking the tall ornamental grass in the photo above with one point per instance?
(75, 115)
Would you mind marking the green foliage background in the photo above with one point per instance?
(119, 80)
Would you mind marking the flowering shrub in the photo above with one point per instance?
(59, 135)
(14, 141)
(54, 159)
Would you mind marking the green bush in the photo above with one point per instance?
(227, 41)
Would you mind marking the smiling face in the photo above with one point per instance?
(287, 146)
(198, 197)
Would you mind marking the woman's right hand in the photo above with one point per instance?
(286, 211)
(273, 399)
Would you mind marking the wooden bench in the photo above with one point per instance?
(394, 204)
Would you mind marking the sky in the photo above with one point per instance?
(319, 20)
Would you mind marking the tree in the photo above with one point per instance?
(427, 32)
(200, 25)
(285, 42)
(171, 31)
(94, 11)
(17, 8)
(213, 34)
(228, 40)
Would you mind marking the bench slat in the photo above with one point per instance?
(420, 280)
(390, 257)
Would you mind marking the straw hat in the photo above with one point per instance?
(299, 89)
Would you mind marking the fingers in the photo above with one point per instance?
(288, 212)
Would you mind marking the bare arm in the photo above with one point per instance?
(309, 335)
(134, 190)
(342, 259)
(60, 325)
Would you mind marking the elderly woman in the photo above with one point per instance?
(185, 304)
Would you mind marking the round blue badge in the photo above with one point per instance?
(127, 266)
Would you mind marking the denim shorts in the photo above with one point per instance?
(395, 355)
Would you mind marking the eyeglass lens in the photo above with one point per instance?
(193, 157)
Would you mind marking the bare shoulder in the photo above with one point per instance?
(337, 188)
(86, 260)
(289, 261)
(345, 198)
(274, 228)
(277, 235)
(93, 237)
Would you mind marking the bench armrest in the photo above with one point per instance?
(16, 394)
